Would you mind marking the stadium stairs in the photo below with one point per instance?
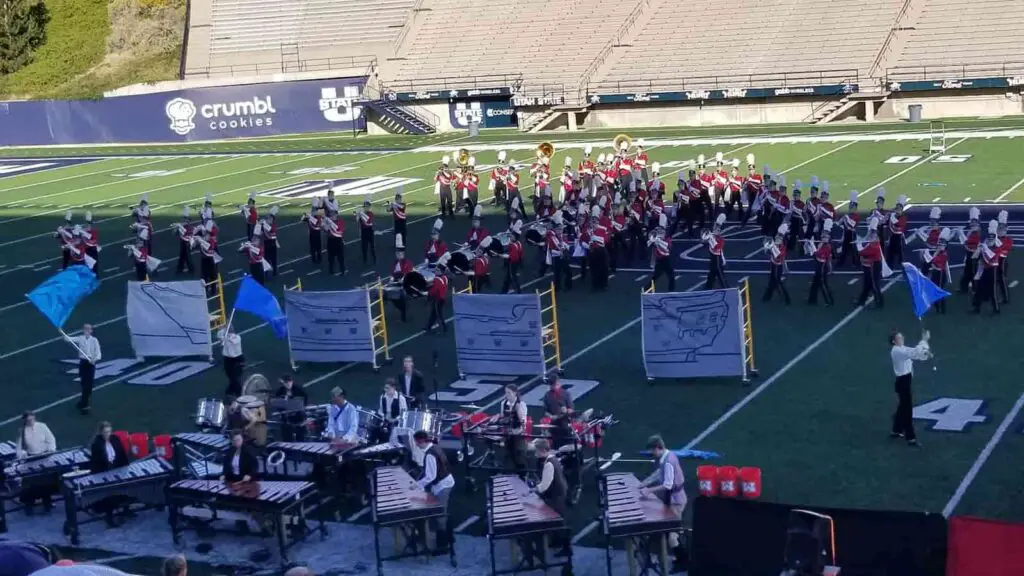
(399, 119)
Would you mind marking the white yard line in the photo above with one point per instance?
(467, 523)
(986, 453)
(98, 172)
(819, 157)
(852, 282)
(1011, 189)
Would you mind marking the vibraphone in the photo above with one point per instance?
(36, 474)
(284, 504)
(8, 450)
(141, 482)
(198, 455)
(516, 513)
(645, 523)
(398, 502)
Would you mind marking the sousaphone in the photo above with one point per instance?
(463, 157)
(546, 149)
(617, 143)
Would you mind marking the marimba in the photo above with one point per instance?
(198, 455)
(142, 482)
(283, 505)
(397, 501)
(517, 513)
(8, 451)
(37, 474)
(645, 523)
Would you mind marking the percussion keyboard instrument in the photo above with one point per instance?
(248, 496)
(514, 510)
(46, 469)
(8, 450)
(325, 453)
(374, 451)
(627, 512)
(217, 442)
(397, 498)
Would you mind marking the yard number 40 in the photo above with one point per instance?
(951, 414)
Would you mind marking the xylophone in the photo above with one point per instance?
(516, 512)
(376, 451)
(198, 454)
(8, 450)
(397, 501)
(644, 521)
(323, 453)
(37, 474)
(283, 505)
(141, 482)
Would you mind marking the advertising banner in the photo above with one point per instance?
(494, 114)
(448, 94)
(186, 115)
(723, 94)
(956, 84)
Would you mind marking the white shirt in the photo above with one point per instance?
(430, 473)
(668, 473)
(36, 440)
(232, 344)
(903, 357)
(235, 464)
(111, 454)
(520, 409)
(547, 476)
(89, 348)
(407, 378)
(388, 400)
(343, 422)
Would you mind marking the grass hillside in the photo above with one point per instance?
(96, 45)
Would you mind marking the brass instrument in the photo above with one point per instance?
(463, 157)
(546, 149)
(617, 142)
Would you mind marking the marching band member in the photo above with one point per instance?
(625, 168)
(553, 489)
(667, 486)
(443, 188)
(207, 212)
(579, 224)
(935, 262)
(640, 161)
(481, 266)
(849, 226)
(716, 258)
(797, 219)
(402, 267)
(412, 386)
(655, 195)
(512, 187)
(513, 257)
(335, 226)
(903, 358)
(76, 249)
(143, 225)
(930, 233)
(35, 439)
(825, 211)
(365, 218)
(694, 204)
(588, 169)
(618, 232)
(436, 247)
(293, 427)
(811, 210)
(471, 186)
(89, 353)
(661, 243)
(545, 210)
(397, 209)
(1005, 247)
(972, 248)
(734, 187)
(437, 295)
(635, 228)
(106, 451)
(781, 208)
(897, 224)
(255, 252)
(557, 255)
(330, 204)
(870, 253)
(91, 243)
(270, 244)
(209, 256)
(513, 415)
(765, 202)
(777, 252)
(558, 406)
(567, 192)
(499, 177)
(705, 186)
(439, 481)
(240, 465)
(315, 224)
(598, 252)
(139, 256)
(390, 407)
(720, 180)
(879, 212)
(985, 277)
(184, 231)
(753, 184)
(342, 419)
(476, 231)
(250, 214)
(65, 237)
(822, 265)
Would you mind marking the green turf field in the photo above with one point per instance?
(816, 421)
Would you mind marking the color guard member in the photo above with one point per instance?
(234, 360)
(89, 354)
(870, 253)
(903, 358)
(777, 252)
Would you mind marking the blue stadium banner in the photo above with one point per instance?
(448, 94)
(499, 334)
(725, 94)
(692, 334)
(962, 84)
(187, 115)
(329, 326)
(500, 114)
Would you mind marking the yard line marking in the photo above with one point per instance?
(641, 278)
(753, 253)
(164, 159)
(852, 282)
(819, 157)
(467, 523)
(313, 273)
(360, 514)
(936, 199)
(779, 374)
(41, 268)
(982, 458)
(368, 273)
(583, 533)
(288, 271)
(968, 199)
(1012, 188)
(927, 159)
(236, 271)
(111, 269)
(1013, 284)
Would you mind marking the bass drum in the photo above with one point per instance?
(417, 281)
(535, 234)
(460, 260)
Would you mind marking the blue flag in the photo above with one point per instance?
(60, 293)
(923, 291)
(259, 302)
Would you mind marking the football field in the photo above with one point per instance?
(816, 421)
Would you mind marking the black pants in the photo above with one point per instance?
(847, 249)
(598, 257)
(436, 315)
(256, 271)
(796, 231)
(94, 253)
(249, 228)
(820, 284)
(872, 284)
(985, 290)
(715, 273)
(903, 418)
(560, 266)
(479, 282)
(366, 244)
(184, 257)
(335, 253)
(735, 200)
(970, 269)
(233, 368)
(208, 271)
(664, 266)
(1001, 281)
(776, 284)
(894, 252)
(637, 243)
(400, 229)
(938, 277)
(516, 447)
(400, 305)
(694, 214)
(615, 250)
(511, 277)
(316, 254)
(86, 374)
(141, 272)
(447, 206)
(65, 259)
(270, 254)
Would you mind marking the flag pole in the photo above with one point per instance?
(73, 344)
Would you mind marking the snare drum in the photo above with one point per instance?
(210, 413)
(426, 420)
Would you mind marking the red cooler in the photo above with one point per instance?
(728, 481)
(707, 480)
(750, 482)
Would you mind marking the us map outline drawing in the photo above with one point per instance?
(169, 318)
(692, 334)
(499, 334)
(329, 326)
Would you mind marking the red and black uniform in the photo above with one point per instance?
(776, 282)
(798, 223)
(706, 181)
(437, 295)
(335, 244)
(66, 238)
(474, 236)
(936, 266)
(661, 250)
(397, 210)
(695, 212)
(716, 260)
(208, 259)
(443, 178)
(139, 257)
(76, 249)
(557, 256)
(588, 169)
(972, 241)
(497, 185)
(822, 268)
(513, 260)
(315, 225)
(471, 191)
(618, 239)
(849, 224)
(91, 245)
(635, 227)
(753, 184)
(545, 211)
(640, 163)
(251, 218)
(512, 189)
(720, 182)
(366, 236)
(1005, 247)
(435, 249)
(256, 255)
(184, 248)
(871, 267)
(598, 253)
(825, 211)
(401, 267)
(897, 225)
(481, 273)
(269, 244)
(734, 197)
(985, 279)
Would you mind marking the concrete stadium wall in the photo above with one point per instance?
(953, 104)
(707, 113)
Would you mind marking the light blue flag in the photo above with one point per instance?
(60, 293)
(258, 301)
(923, 291)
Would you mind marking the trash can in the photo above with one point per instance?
(474, 126)
(915, 112)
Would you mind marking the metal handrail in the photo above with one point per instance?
(953, 71)
(280, 66)
(889, 38)
(778, 79)
(416, 8)
(602, 55)
(457, 83)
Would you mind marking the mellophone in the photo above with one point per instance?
(645, 523)
(37, 474)
(282, 505)
(143, 482)
(398, 502)
(516, 513)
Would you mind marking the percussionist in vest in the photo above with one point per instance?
(438, 480)
(391, 406)
(667, 485)
(558, 407)
(553, 488)
(292, 429)
(513, 417)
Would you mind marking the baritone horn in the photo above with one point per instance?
(463, 157)
(546, 149)
(617, 143)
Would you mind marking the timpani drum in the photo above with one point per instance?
(211, 413)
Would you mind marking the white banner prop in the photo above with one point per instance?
(169, 319)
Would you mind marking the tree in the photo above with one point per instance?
(22, 30)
